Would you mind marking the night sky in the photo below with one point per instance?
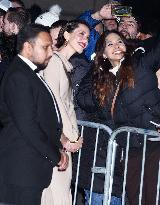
(145, 8)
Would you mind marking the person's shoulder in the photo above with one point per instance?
(54, 63)
(56, 59)
(17, 69)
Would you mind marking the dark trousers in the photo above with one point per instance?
(150, 174)
(15, 195)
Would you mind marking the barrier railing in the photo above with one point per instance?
(109, 162)
(98, 127)
(108, 170)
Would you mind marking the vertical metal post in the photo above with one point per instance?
(108, 172)
(77, 174)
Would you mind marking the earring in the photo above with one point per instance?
(104, 58)
(66, 43)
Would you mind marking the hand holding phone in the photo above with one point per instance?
(118, 10)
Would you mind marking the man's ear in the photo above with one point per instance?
(66, 35)
(27, 50)
(14, 28)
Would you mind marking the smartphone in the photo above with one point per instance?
(118, 10)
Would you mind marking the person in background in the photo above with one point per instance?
(54, 31)
(125, 91)
(4, 6)
(49, 17)
(32, 127)
(129, 26)
(51, 20)
(15, 19)
(4, 57)
(93, 19)
(2, 15)
(73, 38)
(144, 34)
(110, 24)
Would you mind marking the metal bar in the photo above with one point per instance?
(77, 173)
(108, 171)
(135, 130)
(142, 172)
(95, 125)
(110, 159)
(158, 186)
(94, 162)
(125, 170)
(112, 169)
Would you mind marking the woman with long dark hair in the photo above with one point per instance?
(72, 38)
(123, 87)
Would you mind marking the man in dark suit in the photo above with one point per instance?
(30, 138)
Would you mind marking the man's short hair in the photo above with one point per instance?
(29, 34)
(137, 20)
(19, 16)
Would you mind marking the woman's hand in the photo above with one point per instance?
(75, 146)
(71, 146)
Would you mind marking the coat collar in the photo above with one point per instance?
(68, 65)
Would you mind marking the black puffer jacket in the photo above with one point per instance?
(80, 67)
(134, 106)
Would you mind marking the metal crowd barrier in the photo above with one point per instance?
(108, 171)
(98, 127)
(110, 162)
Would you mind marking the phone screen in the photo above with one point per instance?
(118, 10)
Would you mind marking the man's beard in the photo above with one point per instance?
(125, 34)
(40, 66)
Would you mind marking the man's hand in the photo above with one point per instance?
(63, 164)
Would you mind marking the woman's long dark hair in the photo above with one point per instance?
(103, 80)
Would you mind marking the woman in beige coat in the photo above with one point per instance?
(72, 38)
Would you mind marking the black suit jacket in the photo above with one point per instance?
(30, 139)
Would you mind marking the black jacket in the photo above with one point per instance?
(134, 106)
(29, 140)
(80, 67)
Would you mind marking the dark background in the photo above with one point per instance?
(144, 8)
(147, 10)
